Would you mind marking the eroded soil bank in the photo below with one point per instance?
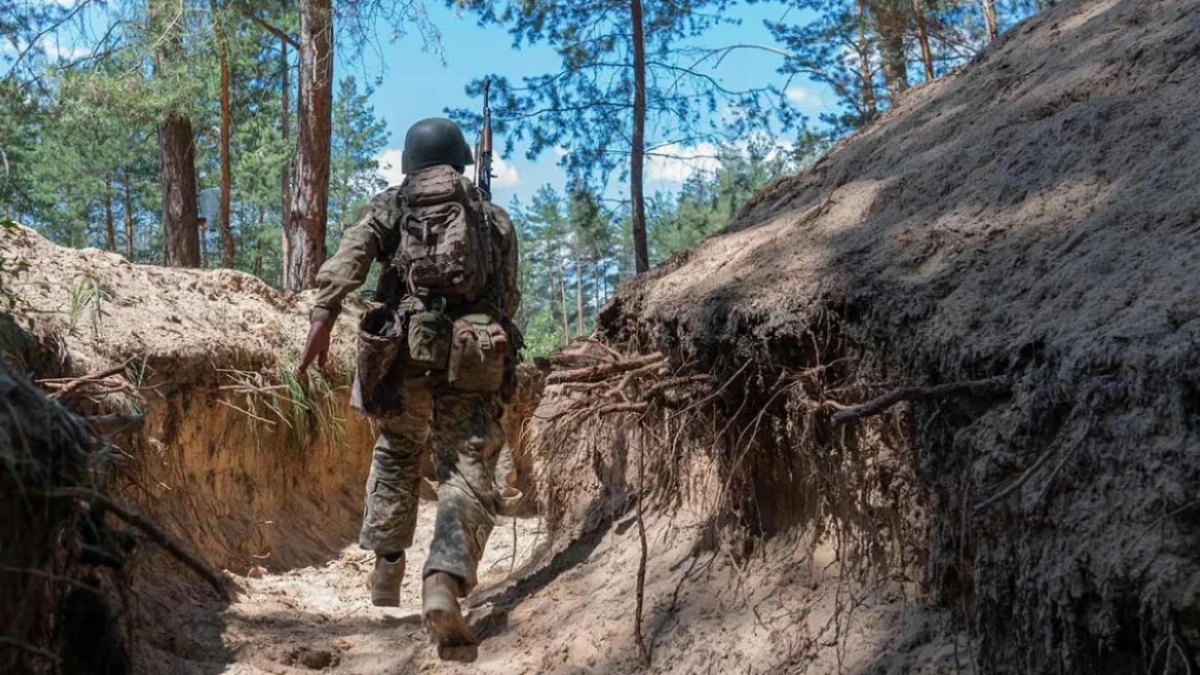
(1019, 239)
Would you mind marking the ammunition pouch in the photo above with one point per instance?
(429, 336)
(478, 354)
(378, 388)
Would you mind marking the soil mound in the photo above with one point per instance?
(1028, 226)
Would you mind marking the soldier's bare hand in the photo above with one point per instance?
(316, 348)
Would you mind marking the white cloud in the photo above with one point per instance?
(56, 50)
(675, 163)
(389, 165)
(505, 175)
(53, 48)
(560, 151)
(800, 97)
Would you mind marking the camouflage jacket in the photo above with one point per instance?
(374, 238)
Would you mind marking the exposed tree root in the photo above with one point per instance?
(152, 532)
(989, 387)
(606, 370)
(67, 386)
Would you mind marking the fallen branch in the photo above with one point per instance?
(152, 532)
(990, 386)
(604, 371)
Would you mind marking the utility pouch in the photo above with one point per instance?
(477, 354)
(429, 340)
(378, 388)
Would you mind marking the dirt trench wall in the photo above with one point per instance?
(1030, 218)
(249, 492)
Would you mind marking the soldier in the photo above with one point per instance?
(452, 291)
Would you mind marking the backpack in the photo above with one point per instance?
(445, 246)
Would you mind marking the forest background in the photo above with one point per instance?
(248, 135)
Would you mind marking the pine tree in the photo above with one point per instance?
(358, 138)
(624, 70)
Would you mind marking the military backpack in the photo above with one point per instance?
(445, 247)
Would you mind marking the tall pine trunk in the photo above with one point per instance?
(637, 155)
(228, 246)
(181, 225)
(287, 165)
(578, 296)
(110, 227)
(990, 19)
(866, 73)
(923, 38)
(310, 202)
(562, 289)
(130, 247)
(177, 151)
(597, 280)
(891, 20)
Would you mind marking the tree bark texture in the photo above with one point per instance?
(110, 227)
(562, 288)
(228, 246)
(991, 19)
(923, 38)
(637, 155)
(286, 178)
(866, 73)
(578, 296)
(128, 205)
(177, 152)
(180, 215)
(310, 202)
(891, 20)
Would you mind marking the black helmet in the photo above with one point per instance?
(435, 141)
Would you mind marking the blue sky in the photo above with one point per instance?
(416, 83)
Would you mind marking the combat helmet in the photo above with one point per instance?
(435, 141)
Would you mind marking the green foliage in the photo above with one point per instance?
(82, 147)
(88, 295)
(842, 44)
(358, 138)
(11, 269)
(575, 252)
(587, 105)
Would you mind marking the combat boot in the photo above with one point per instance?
(443, 617)
(385, 581)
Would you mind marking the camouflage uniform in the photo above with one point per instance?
(466, 427)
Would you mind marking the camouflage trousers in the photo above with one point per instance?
(467, 438)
